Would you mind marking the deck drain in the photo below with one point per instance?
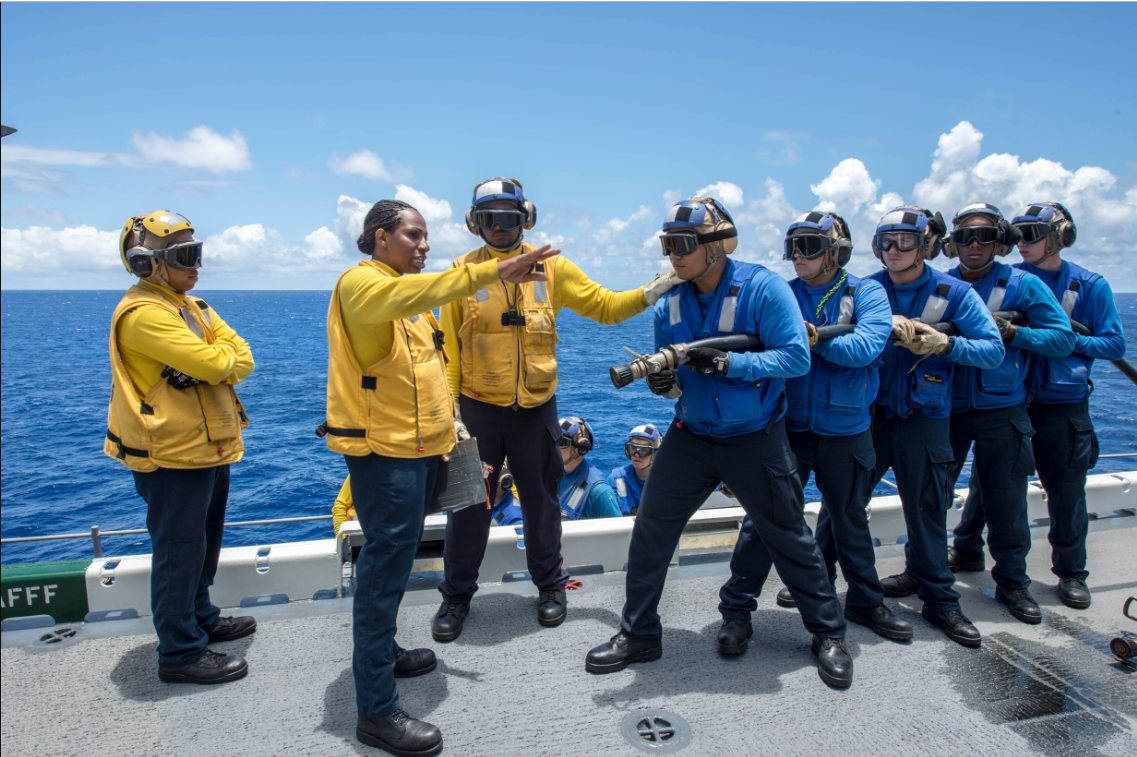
(656, 730)
(57, 636)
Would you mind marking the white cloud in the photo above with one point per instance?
(670, 197)
(44, 251)
(30, 212)
(725, 192)
(789, 140)
(368, 165)
(608, 233)
(847, 187)
(431, 209)
(51, 156)
(201, 147)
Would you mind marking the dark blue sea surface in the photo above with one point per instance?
(55, 382)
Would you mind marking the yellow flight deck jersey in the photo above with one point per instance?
(150, 424)
(387, 391)
(502, 363)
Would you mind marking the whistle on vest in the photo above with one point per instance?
(512, 318)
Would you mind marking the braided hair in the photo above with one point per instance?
(386, 215)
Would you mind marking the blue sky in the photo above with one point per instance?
(274, 126)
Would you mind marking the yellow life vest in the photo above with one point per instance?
(198, 427)
(399, 407)
(510, 359)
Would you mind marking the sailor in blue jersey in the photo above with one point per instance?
(1065, 445)
(827, 422)
(628, 480)
(989, 406)
(729, 428)
(584, 493)
(911, 420)
(507, 508)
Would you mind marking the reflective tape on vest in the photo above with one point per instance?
(726, 315)
(574, 501)
(621, 487)
(847, 308)
(1069, 301)
(934, 310)
(673, 309)
(540, 292)
(482, 294)
(995, 301)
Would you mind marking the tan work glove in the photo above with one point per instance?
(904, 331)
(811, 334)
(460, 427)
(928, 341)
(660, 285)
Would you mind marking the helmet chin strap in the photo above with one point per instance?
(511, 248)
(978, 270)
(710, 265)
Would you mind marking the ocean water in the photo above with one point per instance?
(55, 383)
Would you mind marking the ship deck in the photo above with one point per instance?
(509, 686)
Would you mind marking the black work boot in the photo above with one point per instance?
(955, 624)
(960, 564)
(619, 652)
(881, 620)
(227, 629)
(900, 585)
(211, 667)
(1074, 593)
(400, 734)
(784, 598)
(1021, 604)
(552, 607)
(414, 662)
(447, 625)
(734, 636)
(834, 664)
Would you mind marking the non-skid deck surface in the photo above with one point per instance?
(508, 686)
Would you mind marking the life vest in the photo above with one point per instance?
(926, 389)
(399, 407)
(1062, 380)
(515, 362)
(833, 400)
(628, 488)
(198, 427)
(576, 488)
(714, 403)
(995, 387)
(507, 511)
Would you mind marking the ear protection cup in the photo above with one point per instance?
(531, 215)
(1065, 232)
(1009, 237)
(935, 235)
(140, 265)
(583, 444)
(844, 241)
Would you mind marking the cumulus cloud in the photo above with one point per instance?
(846, 189)
(725, 192)
(670, 197)
(608, 233)
(788, 154)
(201, 147)
(368, 165)
(41, 250)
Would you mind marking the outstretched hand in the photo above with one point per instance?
(516, 270)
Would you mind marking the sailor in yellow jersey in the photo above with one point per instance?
(391, 415)
(175, 422)
(502, 342)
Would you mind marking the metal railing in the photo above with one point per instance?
(886, 482)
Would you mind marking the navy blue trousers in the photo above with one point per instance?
(997, 490)
(919, 452)
(528, 436)
(391, 497)
(844, 468)
(186, 519)
(761, 471)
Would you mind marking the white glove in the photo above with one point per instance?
(460, 427)
(660, 285)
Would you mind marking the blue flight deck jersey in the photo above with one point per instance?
(628, 488)
(1086, 298)
(910, 384)
(507, 511)
(585, 493)
(749, 299)
(1049, 334)
(835, 397)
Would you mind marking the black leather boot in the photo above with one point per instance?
(211, 667)
(227, 629)
(1021, 604)
(734, 636)
(784, 598)
(955, 624)
(1074, 593)
(619, 652)
(834, 664)
(960, 564)
(414, 662)
(552, 607)
(400, 734)
(881, 620)
(900, 585)
(447, 625)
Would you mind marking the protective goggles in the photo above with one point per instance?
(981, 235)
(809, 246)
(564, 442)
(679, 243)
(1033, 232)
(638, 450)
(506, 219)
(904, 241)
(184, 255)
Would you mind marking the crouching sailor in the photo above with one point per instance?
(628, 481)
(584, 492)
(1065, 444)
(176, 422)
(728, 429)
(911, 428)
(828, 427)
(989, 406)
(390, 414)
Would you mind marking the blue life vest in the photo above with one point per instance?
(729, 406)
(628, 488)
(927, 389)
(576, 488)
(995, 387)
(1061, 380)
(831, 399)
(507, 511)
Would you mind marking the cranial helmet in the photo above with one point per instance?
(645, 431)
(709, 220)
(929, 228)
(500, 188)
(828, 225)
(142, 236)
(1060, 232)
(1006, 235)
(578, 433)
